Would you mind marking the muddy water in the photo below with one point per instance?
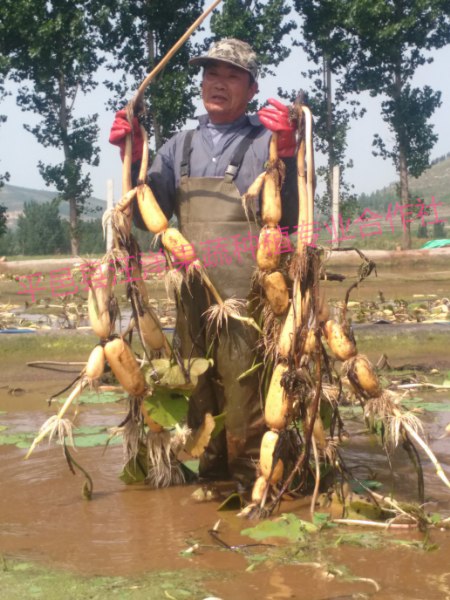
(129, 531)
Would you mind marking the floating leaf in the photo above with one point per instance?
(287, 526)
(96, 439)
(322, 520)
(233, 502)
(366, 540)
(20, 440)
(93, 397)
(424, 405)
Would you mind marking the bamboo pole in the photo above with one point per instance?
(136, 100)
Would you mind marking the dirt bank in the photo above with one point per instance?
(385, 257)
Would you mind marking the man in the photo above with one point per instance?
(200, 176)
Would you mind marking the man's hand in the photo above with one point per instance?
(277, 119)
(119, 131)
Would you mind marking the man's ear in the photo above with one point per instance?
(253, 89)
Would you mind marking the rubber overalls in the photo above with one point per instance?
(211, 217)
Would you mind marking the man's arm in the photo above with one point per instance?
(162, 180)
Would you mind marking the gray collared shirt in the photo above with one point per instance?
(212, 150)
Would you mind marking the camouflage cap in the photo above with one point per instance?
(232, 51)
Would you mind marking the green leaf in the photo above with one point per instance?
(161, 365)
(175, 378)
(168, 408)
(198, 366)
(287, 526)
(171, 374)
(192, 465)
(219, 424)
(250, 371)
(136, 469)
(322, 520)
(359, 487)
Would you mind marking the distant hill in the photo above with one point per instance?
(435, 181)
(14, 198)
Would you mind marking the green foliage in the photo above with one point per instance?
(40, 229)
(383, 60)
(52, 52)
(439, 230)
(3, 220)
(327, 47)
(167, 407)
(407, 115)
(91, 237)
(261, 24)
(8, 243)
(12, 242)
(138, 36)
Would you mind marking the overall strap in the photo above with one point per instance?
(236, 160)
(185, 167)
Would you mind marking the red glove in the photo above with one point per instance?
(277, 119)
(119, 131)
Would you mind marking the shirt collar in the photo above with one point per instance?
(243, 120)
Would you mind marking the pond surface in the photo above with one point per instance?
(127, 534)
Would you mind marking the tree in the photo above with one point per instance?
(3, 176)
(53, 47)
(143, 31)
(140, 34)
(40, 229)
(261, 24)
(327, 47)
(388, 42)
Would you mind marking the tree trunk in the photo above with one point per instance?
(404, 198)
(64, 123)
(330, 140)
(73, 219)
(402, 171)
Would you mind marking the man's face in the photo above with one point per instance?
(226, 91)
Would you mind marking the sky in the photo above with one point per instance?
(20, 153)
